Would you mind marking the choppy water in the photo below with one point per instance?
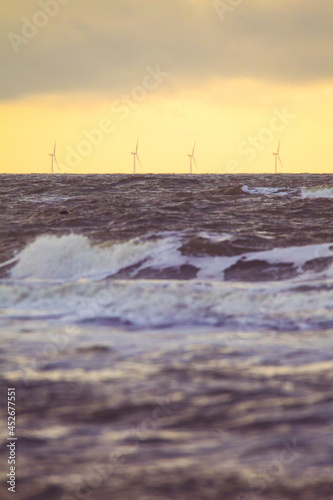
(183, 323)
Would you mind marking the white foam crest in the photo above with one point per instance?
(71, 257)
(214, 237)
(317, 192)
(293, 255)
(268, 191)
(214, 267)
(145, 303)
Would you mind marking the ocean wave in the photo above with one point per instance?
(157, 304)
(151, 282)
(71, 257)
(211, 257)
(325, 191)
(269, 191)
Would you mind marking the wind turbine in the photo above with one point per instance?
(192, 159)
(136, 156)
(277, 157)
(53, 156)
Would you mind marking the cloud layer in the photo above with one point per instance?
(105, 46)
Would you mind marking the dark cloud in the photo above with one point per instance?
(106, 46)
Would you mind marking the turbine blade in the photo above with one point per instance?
(137, 145)
(195, 163)
(193, 149)
(278, 149)
(55, 159)
(55, 145)
(139, 160)
(280, 161)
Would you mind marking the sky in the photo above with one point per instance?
(234, 76)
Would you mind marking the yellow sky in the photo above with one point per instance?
(167, 99)
(236, 126)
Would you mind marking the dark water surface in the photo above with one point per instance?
(168, 336)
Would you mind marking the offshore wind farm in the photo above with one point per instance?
(191, 157)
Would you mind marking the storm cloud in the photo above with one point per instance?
(54, 46)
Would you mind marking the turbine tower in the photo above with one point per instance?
(136, 156)
(192, 159)
(277, 157)
(53, 156)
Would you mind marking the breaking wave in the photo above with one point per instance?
(73, 257)
(157, 281)
(314, 192)
(156, 304)
(206, 256)
(269, 191)
(318, 192)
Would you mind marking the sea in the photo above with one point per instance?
(167, 336)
